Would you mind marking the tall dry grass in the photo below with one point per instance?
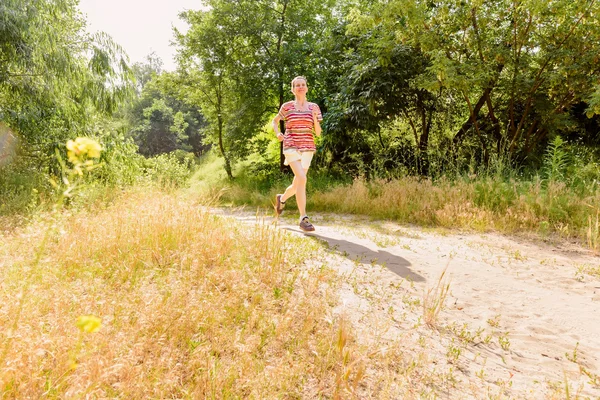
(499, 200)
(481, 204)
(191, 306)
(434, 300)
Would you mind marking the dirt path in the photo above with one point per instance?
(521, 320)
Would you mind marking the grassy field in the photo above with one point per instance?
(153, 297)
(144, 293)
(490, 202)
(149, 295)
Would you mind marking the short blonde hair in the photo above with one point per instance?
(297, 79)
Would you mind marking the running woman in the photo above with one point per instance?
(302, 119)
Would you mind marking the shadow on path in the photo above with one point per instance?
(357, 252)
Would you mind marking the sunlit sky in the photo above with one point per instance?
(139, 26)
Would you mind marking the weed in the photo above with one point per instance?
(453, 353)
(494, 322)
(572, 357)
(411, 302)
(481, 375)
(504, 342)
(434, 300)
(465, 334)
(586, 269)
(594, 378)
(518, 256)
(563, 389)
(593, 232)
(580, 273)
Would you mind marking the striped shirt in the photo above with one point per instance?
(299, 126)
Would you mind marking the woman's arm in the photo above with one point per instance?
(276, 127)
(317, 124)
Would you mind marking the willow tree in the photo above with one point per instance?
(54, 76)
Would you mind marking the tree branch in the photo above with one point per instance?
(539, 80)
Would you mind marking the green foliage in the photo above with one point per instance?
(495, 194)
(170, 170)
(56, 80)
(160, 121)
(237, 63)
(493, 94)
(375, 90)
(506, 75)
(21, 188)
(122, 164)
(257, 181)
(583, 169)
(555, 161)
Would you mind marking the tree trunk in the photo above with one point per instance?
(423, 144)
(281, 126)
(495, 123)
(481, 140)
(281, 83)
(469, 123)
(482, 100)
(222, 148)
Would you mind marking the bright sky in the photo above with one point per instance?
(139, 26)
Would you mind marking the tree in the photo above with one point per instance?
(146, 71)
(160, 122)
(242, 55)
(375, 88)
(518, 66)
(285, 36)
(208, 58)
(54, 77)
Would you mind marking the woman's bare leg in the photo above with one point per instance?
(298, 187)
(289, 191)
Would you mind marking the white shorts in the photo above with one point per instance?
(292, 155)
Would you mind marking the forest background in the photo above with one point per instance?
(446, 113)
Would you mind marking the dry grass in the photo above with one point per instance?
(192, 306)
(593, 232)
(483, 204)
(434, 300)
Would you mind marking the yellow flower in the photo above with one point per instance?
(89, 323)
(81, 148)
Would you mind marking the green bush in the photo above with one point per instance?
(21, 186)
(25, 185)
(169, 170)
(122, 165)
(495, 194)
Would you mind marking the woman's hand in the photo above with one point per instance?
(280, 136)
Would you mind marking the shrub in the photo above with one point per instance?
(168, 170)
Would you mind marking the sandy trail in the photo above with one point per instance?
(537, 310)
